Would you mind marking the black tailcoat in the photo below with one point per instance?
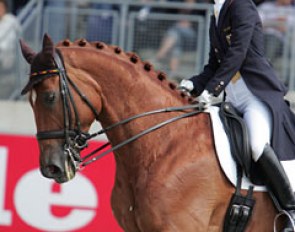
(236, 45)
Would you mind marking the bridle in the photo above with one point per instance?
(75, 139)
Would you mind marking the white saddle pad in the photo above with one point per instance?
(225, 158)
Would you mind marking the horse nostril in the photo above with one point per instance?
(52, 171)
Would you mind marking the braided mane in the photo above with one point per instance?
(155, 75)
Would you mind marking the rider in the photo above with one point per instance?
(238, 66)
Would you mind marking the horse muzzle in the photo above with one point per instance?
(61, 166)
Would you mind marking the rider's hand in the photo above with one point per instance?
(205, 98)
(186, 85)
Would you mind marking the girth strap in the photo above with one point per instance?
(240, 208)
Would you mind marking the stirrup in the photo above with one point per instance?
(291, 220)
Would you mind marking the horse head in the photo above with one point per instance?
(57, 104)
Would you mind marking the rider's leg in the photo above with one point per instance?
(258, 119)
(276, 179)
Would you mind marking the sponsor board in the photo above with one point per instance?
(30, 202)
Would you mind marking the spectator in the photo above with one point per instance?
(258, 2)
(179, 37)
(9, 33)
(17, 5)
(57, 18)
(100, 26)
(277, 17)
(144, 11)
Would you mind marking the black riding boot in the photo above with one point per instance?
(276, 180)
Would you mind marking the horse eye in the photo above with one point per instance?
(50, 97)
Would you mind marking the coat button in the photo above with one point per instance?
(216, 50)
(219, 61)
(221, 83)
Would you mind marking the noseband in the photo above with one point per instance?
(76, 140)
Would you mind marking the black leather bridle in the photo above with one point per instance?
(76, 140)
(68, 101)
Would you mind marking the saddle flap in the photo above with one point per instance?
(237, 133)
(238, 136)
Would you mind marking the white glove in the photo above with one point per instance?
(205, 98)
(186, 85)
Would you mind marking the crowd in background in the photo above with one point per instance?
(10, 31)
(16, 5)
(277, 16)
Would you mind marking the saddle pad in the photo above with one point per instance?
(226, 161)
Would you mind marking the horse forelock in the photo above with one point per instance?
(133, 58)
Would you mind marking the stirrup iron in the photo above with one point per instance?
(287, 214)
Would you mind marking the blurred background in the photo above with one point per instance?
(171, 34)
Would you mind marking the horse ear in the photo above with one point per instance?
(48, 45)
(27, 52)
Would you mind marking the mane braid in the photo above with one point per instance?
(133, 58)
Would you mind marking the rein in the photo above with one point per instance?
(133, 138)
(76, 140)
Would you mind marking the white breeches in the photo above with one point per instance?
(256, 115)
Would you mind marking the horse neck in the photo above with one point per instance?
(128, 88)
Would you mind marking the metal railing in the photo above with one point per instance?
(134, 26)
(121, 23)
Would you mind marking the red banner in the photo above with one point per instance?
(29, 202)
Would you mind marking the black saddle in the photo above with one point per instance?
(238, 136)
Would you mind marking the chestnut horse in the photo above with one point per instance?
(166, 180)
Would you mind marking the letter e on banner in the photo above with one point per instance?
(37, 198)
